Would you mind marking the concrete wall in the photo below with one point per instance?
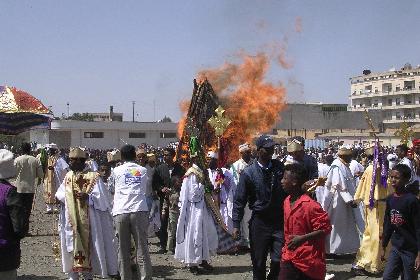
(323, 117)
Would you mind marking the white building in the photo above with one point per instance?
(397, 92)
(105, 135)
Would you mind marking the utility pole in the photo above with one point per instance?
(154, 109)
(133, 102)
(68, 109)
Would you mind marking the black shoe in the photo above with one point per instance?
(194, 270)
(161, 251)
(358, 271)
(206, 266)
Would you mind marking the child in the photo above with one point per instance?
(306, 225)
(402, 227)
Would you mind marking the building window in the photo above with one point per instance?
(397, 101)
(389, 102)
(94, 135)
(397, 89)
(136, 135)
(168, 135)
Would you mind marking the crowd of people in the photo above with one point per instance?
(297, 206)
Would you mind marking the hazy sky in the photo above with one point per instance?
(96, 53)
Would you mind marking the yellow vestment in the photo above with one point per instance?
(50, 187)
(369, 255)
(77, 184)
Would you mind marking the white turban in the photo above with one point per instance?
(244, 147)
(212, 154)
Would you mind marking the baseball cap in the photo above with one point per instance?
(265, 141)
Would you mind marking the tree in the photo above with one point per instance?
(81, 117)
(166, 119)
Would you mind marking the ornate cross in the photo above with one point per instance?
(404, 132)
(219, 122)
(79, 258)
(81, 182)
(370, 123)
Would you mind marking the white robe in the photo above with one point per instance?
(227, 193)
(92, 164)
(103, 243)
(236, 169)
(320, 190)
(196, 234)
(354, 168)
(339, 189)
(60, 170)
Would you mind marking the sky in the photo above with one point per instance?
(96, 53)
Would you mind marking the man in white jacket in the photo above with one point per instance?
(131, 213)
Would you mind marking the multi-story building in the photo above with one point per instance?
(396, 92)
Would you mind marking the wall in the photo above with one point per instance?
(318, 117)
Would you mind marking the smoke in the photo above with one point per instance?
(251, 101)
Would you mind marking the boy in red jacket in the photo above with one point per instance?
(306, 225)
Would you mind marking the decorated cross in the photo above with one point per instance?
(219, 122)
(404, 132)
(81, 182)
(370, 123)
(79, 258)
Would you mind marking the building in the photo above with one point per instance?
(334, 123)
(313, 119)
(104, 134)
(396, 92)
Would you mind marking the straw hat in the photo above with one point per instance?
(114, 155)
(294, 146)
(345, 150)
(77, 153)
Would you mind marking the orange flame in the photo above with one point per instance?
(252, 103)
(184, 105)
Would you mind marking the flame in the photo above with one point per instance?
(183, 106)
(252, 103)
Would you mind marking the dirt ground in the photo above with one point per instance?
(38, 261)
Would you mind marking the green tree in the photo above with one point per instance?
(166, 119)
(81, 117)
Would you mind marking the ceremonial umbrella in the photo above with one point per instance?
(20, 111)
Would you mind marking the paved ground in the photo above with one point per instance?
(38, 261)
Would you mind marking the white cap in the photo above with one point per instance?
(7, 167)
(244, 147)
(212, 154)
(51, 146)
(392, 157)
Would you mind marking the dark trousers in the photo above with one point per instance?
(400, 262)
(164, 217)
(265, 237)
(289, 272)
(27, 200)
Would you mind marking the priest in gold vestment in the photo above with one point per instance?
(54, 174)
(368, 258)
(86, 231)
